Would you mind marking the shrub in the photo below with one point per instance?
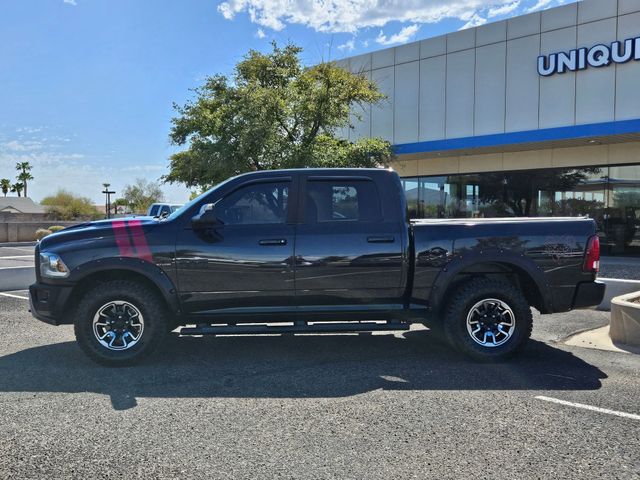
(56, 228)
(42, 232)
(67, 206)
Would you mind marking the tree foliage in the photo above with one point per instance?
(64, 205)
(17, 187)
(272, 113)
(24, 176)
(142, 194)
(5, 186)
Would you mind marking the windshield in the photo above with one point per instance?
(195, 201)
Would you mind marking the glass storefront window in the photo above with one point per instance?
(609, 195)
(621, 221)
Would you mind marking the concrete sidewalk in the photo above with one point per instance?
(599, 339)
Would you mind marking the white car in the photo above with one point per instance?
(162, 209)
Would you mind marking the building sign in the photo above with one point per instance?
(596, 57)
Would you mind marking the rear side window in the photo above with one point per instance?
(153, 212)
(342, 201)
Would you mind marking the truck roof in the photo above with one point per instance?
(322, 171)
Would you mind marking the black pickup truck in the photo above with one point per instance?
(312, 250)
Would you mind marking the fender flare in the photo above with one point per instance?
(462, 261)
(156, 275)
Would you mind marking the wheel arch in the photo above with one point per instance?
(519, 270)
(104, 270)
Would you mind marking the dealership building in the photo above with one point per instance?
(537, 115)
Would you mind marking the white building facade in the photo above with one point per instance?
(534, 115)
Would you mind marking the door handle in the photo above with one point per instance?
(383, 239)
(273, 242)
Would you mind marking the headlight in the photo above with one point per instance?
(52, 266)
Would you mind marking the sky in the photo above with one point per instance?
(87, 87)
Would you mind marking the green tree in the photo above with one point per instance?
(24, 176)
(120, 202)
(142, 194)
(5, 185)
(17, 188)
(64, 205)
(273, 113)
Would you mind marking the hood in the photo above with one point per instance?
(100, 229)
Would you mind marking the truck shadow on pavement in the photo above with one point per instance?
(292, 367)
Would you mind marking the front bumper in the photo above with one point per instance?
(588, 294)
(48, 303)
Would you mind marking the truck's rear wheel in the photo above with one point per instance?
(118, 323)
(488, 319)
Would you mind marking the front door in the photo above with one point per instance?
(245, 262)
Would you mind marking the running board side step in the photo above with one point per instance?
(315, 328)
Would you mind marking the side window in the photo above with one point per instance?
(259, 203)
(342, 201)
(154, 210)
(164, 210)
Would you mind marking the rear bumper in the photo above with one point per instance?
(48, 302)
(588, 294)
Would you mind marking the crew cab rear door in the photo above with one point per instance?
(347, 251)
(245, 262)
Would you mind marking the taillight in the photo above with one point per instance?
(592, 257)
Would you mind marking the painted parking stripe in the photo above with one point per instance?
(589, 407)
(11, 295)
(15, 257)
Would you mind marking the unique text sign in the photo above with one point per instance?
(597, 57)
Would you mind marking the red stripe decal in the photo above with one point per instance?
(122, 238)
(139, 240)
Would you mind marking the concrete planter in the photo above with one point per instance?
(625, 320)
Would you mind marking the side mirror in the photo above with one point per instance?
(207, 218)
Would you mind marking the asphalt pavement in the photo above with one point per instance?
(316, 406)
(16, 266)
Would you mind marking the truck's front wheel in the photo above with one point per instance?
(118, 323)
(488, 319)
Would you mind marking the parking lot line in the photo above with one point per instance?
(589, 407)
(11, 295)
(16, 248)
(15, 257)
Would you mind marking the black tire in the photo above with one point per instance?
(148, 303)
(462, 304)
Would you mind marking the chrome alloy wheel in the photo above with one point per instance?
(491, 322)
(118, 325)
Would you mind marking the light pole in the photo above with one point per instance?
(107, 201)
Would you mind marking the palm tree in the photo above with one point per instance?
(17, 187)
(24, 177)
(24, 168)
(5, 185)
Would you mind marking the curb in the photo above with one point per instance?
(615, 288)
